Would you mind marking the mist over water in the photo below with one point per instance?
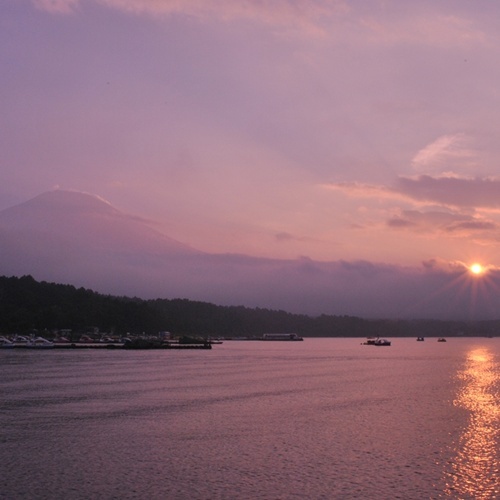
(320, 419)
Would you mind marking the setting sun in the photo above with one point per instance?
(476, 268)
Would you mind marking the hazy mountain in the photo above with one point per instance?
(79, 239)
(82, 219)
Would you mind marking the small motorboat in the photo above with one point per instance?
(376, 341)
(420, 339)
(382, 342)
(441, 339)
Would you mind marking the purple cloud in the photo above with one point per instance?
(440, 221)
(458, 192)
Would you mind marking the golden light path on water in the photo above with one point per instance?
(475, 470)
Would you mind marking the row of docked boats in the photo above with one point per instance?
(19, 341)
(26, 342)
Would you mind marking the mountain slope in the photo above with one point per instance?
(83, 219)
(78, 238)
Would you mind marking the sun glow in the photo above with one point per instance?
(477, 269)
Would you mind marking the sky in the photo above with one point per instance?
(287, 129)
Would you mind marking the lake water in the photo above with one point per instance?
(319, 419)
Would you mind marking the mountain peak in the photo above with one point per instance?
(85, 221)
(67, 200)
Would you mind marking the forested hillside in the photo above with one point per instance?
(27, 305)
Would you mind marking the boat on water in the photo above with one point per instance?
(281, 336)
(420, 339)
(377, 341)
(5, 342)
(20, 341)
(441, 339)
(40, 343)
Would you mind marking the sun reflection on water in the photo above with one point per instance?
(475, 471)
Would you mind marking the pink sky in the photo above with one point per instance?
(333, 130)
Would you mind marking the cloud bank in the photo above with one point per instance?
(75, 238)
(306, 16)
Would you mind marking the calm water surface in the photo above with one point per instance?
(319, 419)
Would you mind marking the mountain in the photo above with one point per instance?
(84, 220)
(74, 237)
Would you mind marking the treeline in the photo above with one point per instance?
(27, 305)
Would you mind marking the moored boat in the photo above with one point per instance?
(382, 342)
(40, 343)
(377, 341)
(20, 341)
(5, 342)
(281, 336)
